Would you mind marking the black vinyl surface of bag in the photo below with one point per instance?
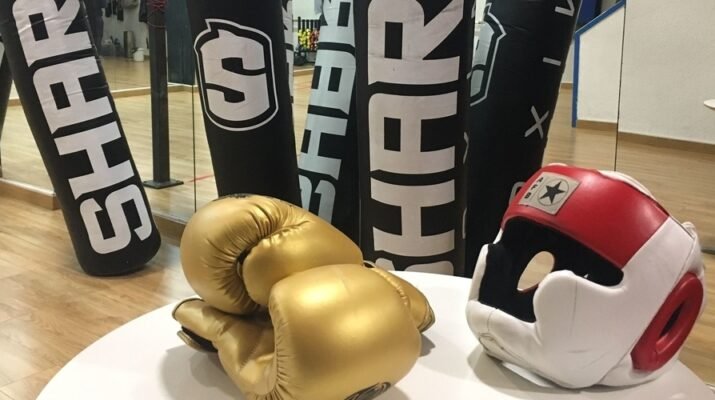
(328, 159)
(244, 88)
(290, 48)
(518, 64)
(413, 59)
(5, 89)
(75, 124)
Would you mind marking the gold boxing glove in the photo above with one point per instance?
(420, 309)
(236, 248)
(335, 332)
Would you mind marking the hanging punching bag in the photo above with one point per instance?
(245, 94)
(413, 59)
(518, 63)
(288, 32)
(5, 88)
(328, 159)
(74, 121)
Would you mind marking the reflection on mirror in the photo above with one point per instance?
(153, 96)
(666, 132)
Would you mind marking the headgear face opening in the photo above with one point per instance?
(625, 289)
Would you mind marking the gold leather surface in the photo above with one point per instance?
(419, 307)
(336, 330)
(276, 238)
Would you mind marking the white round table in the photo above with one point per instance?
(144, 359)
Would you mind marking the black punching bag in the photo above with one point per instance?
(328, 159)
(413, 94)
(5, 88)
(74, 121)
(288, 32)
(518, 63)
(243, 76)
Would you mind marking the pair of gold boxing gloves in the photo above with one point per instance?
(290, 308)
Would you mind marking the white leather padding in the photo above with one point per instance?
(584, 332)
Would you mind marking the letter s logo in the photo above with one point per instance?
(236, 75)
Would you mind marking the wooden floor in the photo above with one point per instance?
(125, 73)
(49, 310)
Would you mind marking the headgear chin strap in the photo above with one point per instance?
(625, 291)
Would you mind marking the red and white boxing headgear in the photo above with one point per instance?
(625, 291)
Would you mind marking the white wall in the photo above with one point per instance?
(606, 4)
(568, 69)
(304, 9)
(600, 70)
(669, 69)
(115, 28)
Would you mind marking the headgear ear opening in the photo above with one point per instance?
(671, 325)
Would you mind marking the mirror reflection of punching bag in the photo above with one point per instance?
(518, 63)
(74, 121)
(328, 159)
(413, 94)
(243, 77)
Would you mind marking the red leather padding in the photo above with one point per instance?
(655, 348)
(611, 217)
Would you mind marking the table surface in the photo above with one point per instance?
(144, 359)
